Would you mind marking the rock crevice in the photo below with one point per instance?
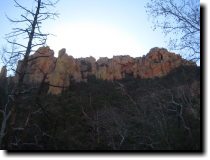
(64, 69)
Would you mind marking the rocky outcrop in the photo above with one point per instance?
(61, 71)
(87, 67)
(41, 63)
(115, 68)
(66, 69)
(158, 62)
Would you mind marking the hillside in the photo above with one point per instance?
(96, 80)
(145, 103)
(161, 113)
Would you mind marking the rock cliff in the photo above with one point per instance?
(41, 63)
(60, 72)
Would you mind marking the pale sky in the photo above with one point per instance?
(95, 28)
(102, 28)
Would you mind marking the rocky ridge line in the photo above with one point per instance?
(59, 72)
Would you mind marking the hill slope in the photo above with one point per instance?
(127, 114)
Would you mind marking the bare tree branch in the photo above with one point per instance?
(181, 21)
(34, 37)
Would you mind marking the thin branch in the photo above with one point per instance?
(15, 43)
(24, 8)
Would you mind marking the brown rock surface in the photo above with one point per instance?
(87, 67)
(64, 69)
(41, 63)
(158, 62)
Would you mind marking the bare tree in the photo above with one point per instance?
(179, 19)
(32, 32)
(25, 37)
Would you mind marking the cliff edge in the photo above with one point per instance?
(61, 71)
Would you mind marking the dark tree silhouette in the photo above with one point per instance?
(179, 19)
(25, 36)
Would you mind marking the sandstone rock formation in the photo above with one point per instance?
(61, 71)
(87, 67)
(41, 63)
(158, 62)
(66, 69)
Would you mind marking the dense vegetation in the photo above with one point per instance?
(131, 114)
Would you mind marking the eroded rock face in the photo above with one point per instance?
(158, 62)
(115, 68)
(41, 63)
(63, 70)
(87, 67)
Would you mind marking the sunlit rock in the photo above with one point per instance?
(41, 63)
(61, 71)
(65, 70)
